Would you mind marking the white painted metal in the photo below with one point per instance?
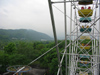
(75, 49)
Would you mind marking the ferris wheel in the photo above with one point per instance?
(82, 54)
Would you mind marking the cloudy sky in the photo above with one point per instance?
(29, 14)
(32, 14)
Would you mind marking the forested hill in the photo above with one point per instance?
(22, 34)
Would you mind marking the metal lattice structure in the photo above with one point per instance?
(84, 47)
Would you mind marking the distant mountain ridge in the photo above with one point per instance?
(23, 34)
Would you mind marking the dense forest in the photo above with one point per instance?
(23, 52)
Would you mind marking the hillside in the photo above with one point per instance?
(22, 34)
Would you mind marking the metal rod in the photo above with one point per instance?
(83, 55)
(75, 24)
(54, 32)
(71, 57)
(63, 1)
(99, 39)
(65, 19)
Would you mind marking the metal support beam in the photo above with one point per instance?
(99, 39)
(54, 32)
(65, 34)
(63, 1)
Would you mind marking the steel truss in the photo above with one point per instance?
(77, 53)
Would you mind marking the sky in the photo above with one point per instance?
(29, 14)
(35, 15)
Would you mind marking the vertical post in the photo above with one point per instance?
(99, 38)
(92, 58)
(96, 42)
(54, 32)
(76, 42)
(65, 34)
(71, 39)
(95, 46)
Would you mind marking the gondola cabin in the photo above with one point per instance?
(83, 73)
(85, 37)
(85, 12)
(82, 64)
(85, 29)
(85, 2)
(85, 20)
(84, 56)
(85, 42)
(85, 47)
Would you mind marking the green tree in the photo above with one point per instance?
(10, 48)
(4, 62)
(53, 66)
(18, 59)
(40, 46)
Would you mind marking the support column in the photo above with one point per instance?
(65, 19)
(99, 38)
(54, 32)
